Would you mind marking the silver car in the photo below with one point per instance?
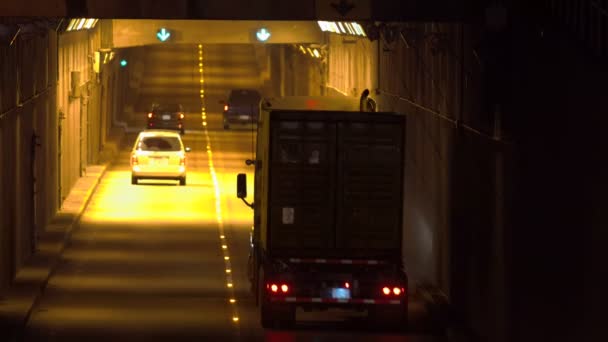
(158, 154)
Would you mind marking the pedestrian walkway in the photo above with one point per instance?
(31, 279)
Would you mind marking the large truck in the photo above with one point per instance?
(328, 210)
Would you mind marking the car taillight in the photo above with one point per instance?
(150, 115)
(396, 291)
(225, 108)
(182, 161)
(134, 160)
(181, 115)
(277, 287)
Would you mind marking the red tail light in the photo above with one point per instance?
(134, 160)
(278, 288)
(150, 115)
(225, 108)
(395, 291)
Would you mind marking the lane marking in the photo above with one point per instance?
(218, 198)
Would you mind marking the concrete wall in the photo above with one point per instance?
(35, 98)
(27, 106)
(293, 73)
(454, 211)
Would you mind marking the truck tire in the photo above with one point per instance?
(274, 315)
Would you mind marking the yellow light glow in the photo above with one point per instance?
(235, 319)
(221, 236)
(232, 300)
(204, 124)
(229, 284)
(200, 64)
(316, 53)
(200, 58)
(200, 46)
(226, 258)
(72, 24)
(224, 246)
(80, 24)
(228, 270)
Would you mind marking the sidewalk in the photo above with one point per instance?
(31, 279)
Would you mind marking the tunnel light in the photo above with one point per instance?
(344, 28)
(123, 63)
(316, 53)
(71, 25)
(82, 23)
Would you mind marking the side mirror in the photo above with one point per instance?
(188, 149)
(241, 185)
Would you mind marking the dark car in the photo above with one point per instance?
(166, 116)
(242, 107)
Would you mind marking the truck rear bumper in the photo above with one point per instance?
(353, 301)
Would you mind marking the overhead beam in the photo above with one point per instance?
(137, 32)
(331, 10)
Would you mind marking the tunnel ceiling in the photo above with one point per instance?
(337, 10)
(129, 32)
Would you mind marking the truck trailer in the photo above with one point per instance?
(328, 210)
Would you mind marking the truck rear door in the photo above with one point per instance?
(336, 181)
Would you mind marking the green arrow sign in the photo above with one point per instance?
(163, 34)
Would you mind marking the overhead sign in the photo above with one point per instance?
(263, 34)
(343, 10)
(163, 34)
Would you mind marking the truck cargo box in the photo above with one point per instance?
(335, 184)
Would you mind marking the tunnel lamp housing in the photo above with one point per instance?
(81, 24)
(342, 28)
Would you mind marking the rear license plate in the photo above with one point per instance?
(244, 117)
(166, 117)
(340, 293)
(161, 161)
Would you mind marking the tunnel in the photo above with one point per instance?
(502, 167)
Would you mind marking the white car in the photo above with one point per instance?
(159, 154)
